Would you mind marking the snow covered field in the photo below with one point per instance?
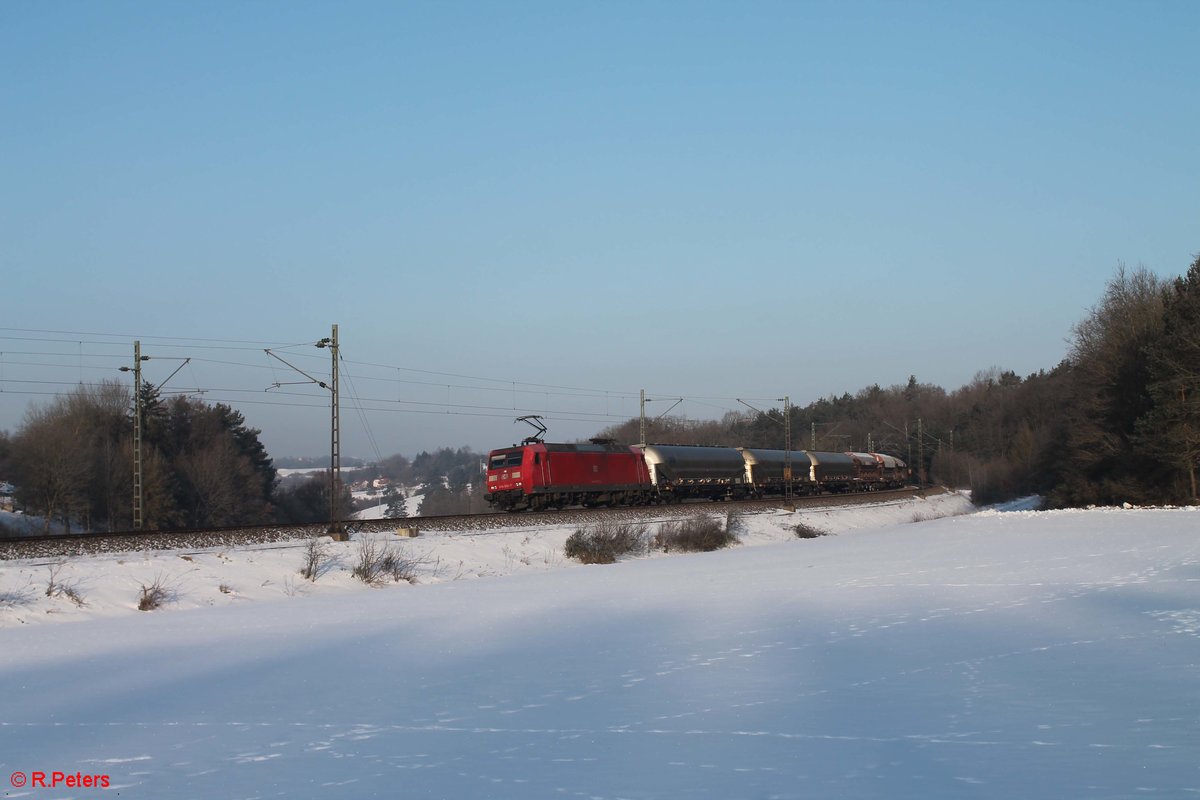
(412, 503)
(1006, 655)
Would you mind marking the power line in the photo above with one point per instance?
(362, 416)
(500, 384)
(507, 396)
(387, 405)
(382, 403)
(144, 337)
(63, 355)
(507, 381)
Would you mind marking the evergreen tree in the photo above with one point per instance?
(440, 501)
(397, 508)
(1171, 430)
(1110, 393)
(201, 465)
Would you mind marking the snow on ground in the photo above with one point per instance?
(1031, 503)
(999, 655)
(412, 504)
(111, 585)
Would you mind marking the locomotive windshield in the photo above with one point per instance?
(510, 459)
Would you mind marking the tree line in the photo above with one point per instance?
(1117, 421)
(71, 462)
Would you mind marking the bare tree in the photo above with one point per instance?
(52, 463)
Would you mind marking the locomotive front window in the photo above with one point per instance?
(510, 459)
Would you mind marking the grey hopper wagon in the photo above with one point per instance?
(765, 470)
(834, 472)
(680, 471)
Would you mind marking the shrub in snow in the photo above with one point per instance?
(808, 532)
(604, 542)
(57, 588)
(155, 595)
(695, 534)
(379, 561)
(317, 559)
(18, 597)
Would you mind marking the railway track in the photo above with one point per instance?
(78, 544)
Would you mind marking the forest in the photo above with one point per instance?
(71, 462)
(1117, 421)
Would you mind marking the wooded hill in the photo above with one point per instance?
(1117, 421)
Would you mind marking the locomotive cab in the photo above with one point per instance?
(507, 477)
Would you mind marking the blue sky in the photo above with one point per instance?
(706, 200)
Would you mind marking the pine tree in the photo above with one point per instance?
(396, 505)
(1111, 393)
(1171, 430)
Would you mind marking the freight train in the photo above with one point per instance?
(536, 475)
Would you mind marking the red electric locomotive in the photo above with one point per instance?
(536, 475)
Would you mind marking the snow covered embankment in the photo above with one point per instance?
(113, 585)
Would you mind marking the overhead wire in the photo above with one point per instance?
(506, 384)
(371, 404)
(361, 413)
(142, 337)
(514, 389)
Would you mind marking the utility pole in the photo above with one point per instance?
(642, 417)
(921, 450)
(787, 449)
(642, 414)
(336, 529)
(136, 369)
(908, 444)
